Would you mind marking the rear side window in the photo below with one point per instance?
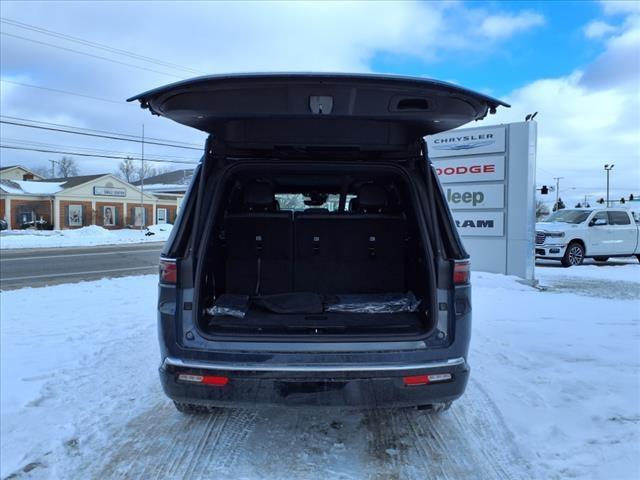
(619, 218)
(600, 216)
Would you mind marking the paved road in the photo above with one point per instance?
(41, 267)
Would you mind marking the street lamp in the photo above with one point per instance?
(608, 168)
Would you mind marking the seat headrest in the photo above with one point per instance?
(259, 195)
(372, 198)
(316, 210)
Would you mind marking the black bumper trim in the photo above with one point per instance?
(346, 388)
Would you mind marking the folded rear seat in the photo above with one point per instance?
(357, 252)
(259, 242)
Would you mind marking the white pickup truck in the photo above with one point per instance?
(571, 235)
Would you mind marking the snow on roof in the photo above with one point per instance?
(26, 187)
(10, 187)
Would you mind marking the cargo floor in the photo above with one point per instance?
(258, 321)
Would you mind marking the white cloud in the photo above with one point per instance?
(211, 37)
(579, 130)
(625, 7)
(506, 25)
(620, 62)
(598, 29)
(590, 117)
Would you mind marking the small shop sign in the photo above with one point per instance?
(110, 191)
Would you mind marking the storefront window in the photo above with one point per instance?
(75, 215)
(138, 216)
(26, 217)
(109, 216)
(161, 216)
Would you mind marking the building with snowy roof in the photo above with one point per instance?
(74, 202)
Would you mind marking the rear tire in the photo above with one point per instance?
(574, 255)
(601, 259)
(193, 409)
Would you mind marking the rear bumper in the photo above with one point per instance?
(325, 385)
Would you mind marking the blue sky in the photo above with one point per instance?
(577, 63)
(558, 46)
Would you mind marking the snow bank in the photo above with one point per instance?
(72, 354)
(562, 366)
(81, 237)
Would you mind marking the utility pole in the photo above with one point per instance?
(53, 168)
(142, 181)
(557, 179)
(608, 168)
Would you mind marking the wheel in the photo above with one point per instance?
(574, 255)
(193, 409)
(436, 407)
(638, 257)
(601, 259)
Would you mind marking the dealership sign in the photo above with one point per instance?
(480, 224)
(110, 191)
(474, 196)
(487, 177)
(475, 169)
(473, 141)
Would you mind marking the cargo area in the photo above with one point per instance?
(312, 254)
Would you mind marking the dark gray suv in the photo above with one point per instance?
(314, 260)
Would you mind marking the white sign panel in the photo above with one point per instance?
(481, 224)
(475, 169)
(467, 142)
(474, 196)
(487, 176)
(110, 191)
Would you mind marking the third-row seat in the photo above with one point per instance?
(362, 251)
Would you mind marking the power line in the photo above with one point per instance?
(89, 54)
(110, 137)
(99, 131)
(32, 143)
(42, 150)
(97, 45)
(66, 92)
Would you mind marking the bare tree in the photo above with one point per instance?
(67, 167)
(145, 171)
(127, 170)
(542, 209)
(43, 171)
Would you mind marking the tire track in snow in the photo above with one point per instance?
(468, 442)
(163, 444)
(386, 445)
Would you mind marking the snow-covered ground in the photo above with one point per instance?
(554, 394)
(81, 237)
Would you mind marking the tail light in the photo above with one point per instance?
(415, 380)
(168, 271)
(212, 380)
(461, 272)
